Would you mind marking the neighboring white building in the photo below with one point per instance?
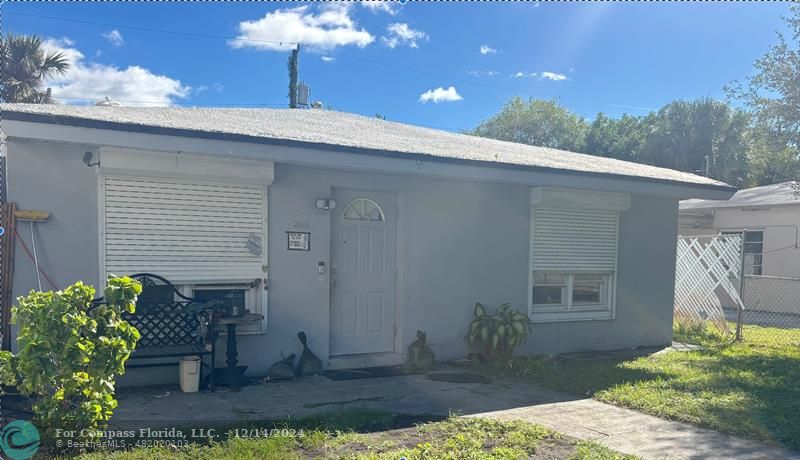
(771, 216)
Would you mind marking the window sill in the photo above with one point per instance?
(562, 317)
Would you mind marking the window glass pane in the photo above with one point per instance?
(752, 237)
(228, 297)
(586, 293)
(589, 289)
(590, 277)
(753, 264)
(549, 278)
(548, 295)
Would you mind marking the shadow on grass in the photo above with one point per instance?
(741, 389)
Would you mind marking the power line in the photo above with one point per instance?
(348, 56)
(434, 74)
(147, 29)
(192, 103)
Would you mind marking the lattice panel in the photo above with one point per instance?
(706, 272)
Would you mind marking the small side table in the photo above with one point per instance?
(233, 374)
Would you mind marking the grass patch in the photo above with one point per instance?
(747, 389)
(453, 438)
(699, 333)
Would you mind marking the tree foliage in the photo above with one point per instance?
(684, 135)
(773, 96)
(24, 66)
(703, 135)
(536, 122)
(621, 138)
(70, 354)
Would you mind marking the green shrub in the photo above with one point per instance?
(496, 336)
(70, 354)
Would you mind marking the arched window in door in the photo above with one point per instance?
(364, 209)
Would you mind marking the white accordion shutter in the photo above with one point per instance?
(186, 231)
(574, 240)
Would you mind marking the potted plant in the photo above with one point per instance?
(495, 336)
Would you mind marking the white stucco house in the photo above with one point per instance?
(771, 216)
(367, 230)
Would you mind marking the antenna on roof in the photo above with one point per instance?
(303, 94)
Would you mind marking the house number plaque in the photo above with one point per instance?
(298, 241)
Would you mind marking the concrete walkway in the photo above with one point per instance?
(624, 430)
(634, 433)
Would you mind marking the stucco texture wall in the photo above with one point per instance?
(458, 243)
(51, 177)
(462, 243)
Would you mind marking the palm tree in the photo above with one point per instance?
(24, 66)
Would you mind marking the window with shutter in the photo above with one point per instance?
(573, 255)
(186, 231)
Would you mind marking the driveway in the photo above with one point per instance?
(624, 430)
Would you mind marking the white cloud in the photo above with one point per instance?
(540, 75)
(114, 37)
(399, 33)
(479, 73)
(486, 49)
(440, 95)
(327, 58)
(553, 76)
(376, 6)
(203, 88)
(86, 82)
(280, 30)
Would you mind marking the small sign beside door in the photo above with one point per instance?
(298, 241)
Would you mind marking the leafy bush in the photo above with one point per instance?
(496, 336)
(70, 354)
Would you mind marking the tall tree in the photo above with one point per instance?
(621, 138)
(24, 65)
(536, 122)
(773, 93)
(773, 96)
(698, 136)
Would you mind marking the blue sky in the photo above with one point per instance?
(592, 57)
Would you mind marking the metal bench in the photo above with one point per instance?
(172, 325)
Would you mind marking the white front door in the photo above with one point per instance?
(363, 272)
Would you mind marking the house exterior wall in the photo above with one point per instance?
(459, 242)
(51, 177)
(780, 225)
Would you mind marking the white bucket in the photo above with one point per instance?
(189, 368)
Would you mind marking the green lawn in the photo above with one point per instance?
(749, 389)
(454, 438)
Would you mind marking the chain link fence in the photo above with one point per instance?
(769, 301)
